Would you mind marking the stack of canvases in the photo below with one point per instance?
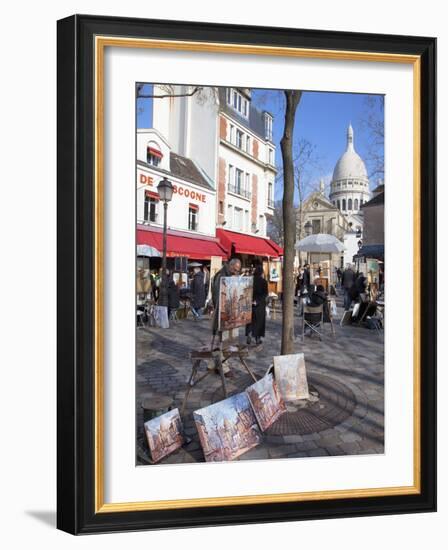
(231, 427)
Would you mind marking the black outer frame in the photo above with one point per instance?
(75, 225)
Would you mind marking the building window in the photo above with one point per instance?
(268, 126)
(246, 220)
(247, 186)
(193, 217)
(356, 204)
(229, 214)
(316, 226)
(248, 144)
(344, 205)
(153, 156)
(271, 157)
(239, 139)
(339, 205)
(271, 194)
(232, 134)
(221, 207)
(361, 202)
(238, 181)
(238, 102)
(231, 176)
(261, 224)
(238, 219)
(350, 204)
(151, 208)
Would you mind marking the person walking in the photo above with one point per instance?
(173, 295)
(257, 327)
(339, 275)
(348, 281)
(361, 286)
(307, 280)
(299, 282)
(197, 289)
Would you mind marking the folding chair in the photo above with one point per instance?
(313, 318)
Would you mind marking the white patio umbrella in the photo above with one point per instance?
(146, 250)
(320, 243)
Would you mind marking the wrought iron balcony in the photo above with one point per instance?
(237, 190)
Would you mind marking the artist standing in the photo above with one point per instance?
(260, 292)
(198, 296)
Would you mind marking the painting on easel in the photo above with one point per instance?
(235, 304)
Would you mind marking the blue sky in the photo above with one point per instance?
(322, 119)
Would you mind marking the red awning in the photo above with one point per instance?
(177, 245)
(155, 152)
(247, 244)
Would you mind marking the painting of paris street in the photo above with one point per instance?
(290, 375)
(164, 434)
(227, 429)
(266, 401)
(235, 302)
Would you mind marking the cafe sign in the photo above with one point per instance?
(147, 179)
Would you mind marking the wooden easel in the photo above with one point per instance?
(219, 356)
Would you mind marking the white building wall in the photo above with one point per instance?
(202, 131)
(162, 112)
(184, 195)
(190, 124)
(237, 158)
(351, 247)
(152, 137)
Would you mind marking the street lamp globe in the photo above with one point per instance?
(308, 228)
(165, 190)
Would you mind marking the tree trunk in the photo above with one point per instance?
(289, 222)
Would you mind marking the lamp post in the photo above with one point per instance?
(165, 190)
(308, 230)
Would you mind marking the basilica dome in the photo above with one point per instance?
(350, 165)
(349, 188)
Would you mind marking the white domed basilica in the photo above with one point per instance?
(350, 184)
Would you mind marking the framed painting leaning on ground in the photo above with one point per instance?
(222, 216)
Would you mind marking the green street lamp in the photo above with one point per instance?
(165, 190)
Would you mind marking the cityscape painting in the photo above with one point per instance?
(290, 375)
(235, 302)
(164, 434)
(227, 429)
(266, 401)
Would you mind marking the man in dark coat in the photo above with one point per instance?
(197, 289)
(173, 295)
(348, 281)
(361, 283)
(231, 269)
(260, 292)
(307, 279)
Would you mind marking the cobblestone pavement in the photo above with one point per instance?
(347, 371)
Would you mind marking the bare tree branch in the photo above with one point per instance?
(163, 96)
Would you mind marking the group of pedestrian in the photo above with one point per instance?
(354, 285)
